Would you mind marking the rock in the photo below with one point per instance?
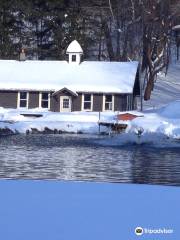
(6, 131)
(48, 131)
(35, 131)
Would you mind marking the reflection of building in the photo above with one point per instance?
(176, 30)
(69, 86)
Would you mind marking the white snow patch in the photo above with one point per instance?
(163, 121)
(158, 128)
(176, 27)
(86, 122)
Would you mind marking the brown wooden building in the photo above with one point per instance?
(63, 86)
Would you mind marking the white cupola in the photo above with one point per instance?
(75, 52)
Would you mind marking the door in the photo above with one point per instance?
(65, 104)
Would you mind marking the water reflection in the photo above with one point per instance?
(74, 157)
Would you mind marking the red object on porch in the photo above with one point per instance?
(126, 116)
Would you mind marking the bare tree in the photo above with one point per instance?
(156, 42)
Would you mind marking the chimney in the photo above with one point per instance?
(22, 56)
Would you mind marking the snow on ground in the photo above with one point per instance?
(160, 119)
(51, 210)
(76, 122)
(160, 128)
(165, 120)
(166, 89)
(149, 126)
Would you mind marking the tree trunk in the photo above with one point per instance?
(149, 88)
(108, 40)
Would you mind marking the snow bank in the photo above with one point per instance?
(172, 110)
(75, 122)
(163, 121)
(159, 127)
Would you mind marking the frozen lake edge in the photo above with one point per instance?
(80, 210)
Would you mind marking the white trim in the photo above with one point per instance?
(40, 99)
(78, 58)
(104, 98)
(82, 102)
(49, 100)
(113, 102)
(27, 99)
(65, 89)
(18, 100)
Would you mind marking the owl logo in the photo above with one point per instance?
(139, 231)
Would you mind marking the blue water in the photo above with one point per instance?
(78, 157)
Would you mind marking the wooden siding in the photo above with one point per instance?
(76, 103)
(33, 99)
(97, 102)
(55, 103)
(134, 103)
(120, 102)
(8, 99)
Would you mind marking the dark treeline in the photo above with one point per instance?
(113, 30)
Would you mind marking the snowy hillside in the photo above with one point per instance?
(167, 88)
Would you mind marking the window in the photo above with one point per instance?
(23, 99)
(108, 102)
(87, 102)
(45, 100)
(73, 58)
(66, 103)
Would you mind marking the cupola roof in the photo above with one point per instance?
(74, 47)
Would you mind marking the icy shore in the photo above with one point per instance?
(158, 128)
(17, 121)
(153, 125)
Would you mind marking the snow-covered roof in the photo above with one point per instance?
(112, 77)
(74, 47)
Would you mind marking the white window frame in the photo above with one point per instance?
(40, 100)
(82, 102)
(27, 99)
(104, 101)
